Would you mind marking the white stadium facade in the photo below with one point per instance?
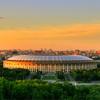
(50, 63)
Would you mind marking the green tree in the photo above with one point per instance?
(60, 75)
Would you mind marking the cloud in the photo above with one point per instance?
(71, 36)
(1, 17)
(55, 33)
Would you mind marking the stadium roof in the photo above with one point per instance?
(50, 58)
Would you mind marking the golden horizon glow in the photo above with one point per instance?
(76, 36)
(50, 24)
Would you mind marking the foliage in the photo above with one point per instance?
(37, 75)
(60, 75)
(86, 75)
(34, 90)
(40, 90)
(14, 74)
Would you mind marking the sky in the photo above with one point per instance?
(51, 24)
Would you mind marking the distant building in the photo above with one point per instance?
(50, 63)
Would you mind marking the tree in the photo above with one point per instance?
(60, 75)
(94, 93)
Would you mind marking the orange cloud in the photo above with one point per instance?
(51, 36)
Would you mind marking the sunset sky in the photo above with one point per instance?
(55, 24)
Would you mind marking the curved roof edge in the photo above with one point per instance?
(50, 58)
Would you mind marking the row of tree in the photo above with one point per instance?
(86, 75)
(40, 90)
(14, 74)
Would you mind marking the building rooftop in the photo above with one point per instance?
(50, 58)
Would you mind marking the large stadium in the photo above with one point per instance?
(50, 63)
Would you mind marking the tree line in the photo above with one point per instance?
(14, 74)
(40, 90)
(86, 75)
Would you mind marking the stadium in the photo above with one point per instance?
(50, 63)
